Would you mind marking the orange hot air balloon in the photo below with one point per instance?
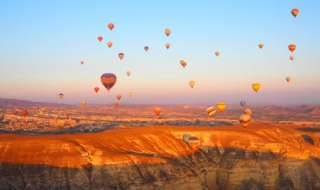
(82, 62)
(217, 53)
(288, 79)
(83, 102)
(183, 63)
(24, 113)
(157, 111)
(221, 106)
(256, 87)
(168, 45)
(167, 31)
(109, 44)
(260, 46)
(192, 83)
(295, 12)
(116, 104)
(129, 94)
(60, 95)
(111, 26)
(245, 120)
(118, 96)
(96, 89)
(100, 38)
(146, 48)
(247, 111)
(292, 57)
(292, 47)
(121, 55)
(128, 73)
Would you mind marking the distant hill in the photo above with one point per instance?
(25, 103)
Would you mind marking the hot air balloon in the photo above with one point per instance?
(109, 44)
(292, 57)
(217, 53)
(247, 111)
(288, 79)
(168, 45)
(111, 26)
(211, 111)
(256, 86)
(100, 38)
(116, 104)
(108, 80)
(128, 73)
(167, 31)
(83, 102)
(292, 47)
(129, 94)
(183, 63)
(121, 55)
(82, 62)
(60, 95)
(242, 103)
(245, 120)
(61, 123)
(260, 46)
(295, 12)
(24, 113)
(96, 89)
(118, 96)
(15, 112)
(221, 106)
(157, 111)
(146, 48)
(192, 83)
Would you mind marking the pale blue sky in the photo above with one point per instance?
(43, 42)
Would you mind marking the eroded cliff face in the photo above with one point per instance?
(261, 157)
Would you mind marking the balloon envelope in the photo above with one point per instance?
(211, 111)
(100, 38)
(121, 55)
(82, 62)
(168, 45)
(217, 53)
(245, 120)
(83, 102)
(60, 95)
(108, 80)
(292, 47)
(256, 87)
(295, 12)
(128, 73)
(292, 57)
(110, 26)
(24, 112)
(247, 111)
(109, 44)
(192, 83)
(288, 79)
(242, 103)
(157, 110)
(116, 104)
(221, 106)
(260, 46)
(119, 96)
(96, 89)
(183, 63)
(167, 31)
(146, 48)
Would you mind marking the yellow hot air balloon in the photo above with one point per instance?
(183, 63)
(256, 87)
(109, 44)
(168, 45)
(128, 73)
(217, 53)
(247, 111)
(295, 12)
(245, 120)
(129, 94)
(292, 47)
(167, 31)
(192, 83)
(221, 106)
(260, 46)
(288, 79)
(83, 102)
(211, 111)
(292, 57)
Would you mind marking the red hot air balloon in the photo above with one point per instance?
(100, 38)
(24, 113)
(118, 96)
(108, 80)
(96, 89)
(111, 26)
(116, 104)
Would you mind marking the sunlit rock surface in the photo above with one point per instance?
(260, 156)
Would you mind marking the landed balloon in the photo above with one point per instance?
(121, 55)
(109, 44)
(211, 111)
(221, 106)
(192, 83)
(83, 102)
(24, 113)
(260, 46)
(100, 38)
(108, 80)
(245, 120)
(111, 26)
(146, 48)
(167, 31)
(96, 89)
(292, 57)
(256, 87)
(295, 12)
(157, 111)
(128, 73)
(168, 45)
(60, 95)
(129, 94)
(247, 111)
(183, 63)
(288, 79)
(242, 103)
(292, 47)
(118, 96)
(217, 53)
